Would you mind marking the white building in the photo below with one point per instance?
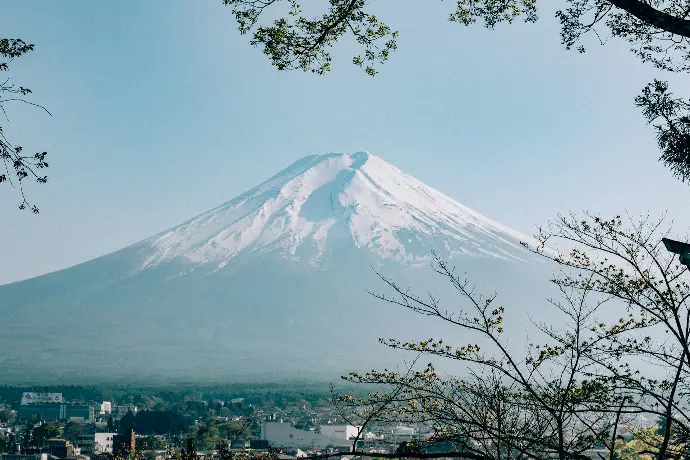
(283, 435)
(340, 431)
(403, 433)
(106, 407)
(103, 443)
(369, 436)
(97, 443)
(24, 456)
(41, 398)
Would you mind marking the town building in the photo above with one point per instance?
(95, 443)
(29, 397)
(77, 413)
(51, 406)
(104, 442)
(61, 448)
(284, 435)
(24, 456)
(340, 431)
(106, 407)
(48, 411)
(85, 441)
(401, 433)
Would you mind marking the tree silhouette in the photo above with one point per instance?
(658, 32)
(18, 167)
(623, 351)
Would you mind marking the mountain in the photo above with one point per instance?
(325, 203)
(272, 284)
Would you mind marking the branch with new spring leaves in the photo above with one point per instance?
(626, 264)
(18, 167)
(575, 389)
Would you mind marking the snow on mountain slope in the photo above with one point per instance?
(323, 201)
(224, 296)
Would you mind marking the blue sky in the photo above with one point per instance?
(161, 110)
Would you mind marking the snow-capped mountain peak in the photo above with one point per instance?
(271, 284)
(322, 202)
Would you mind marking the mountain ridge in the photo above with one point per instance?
(272, 282)
(333, 195)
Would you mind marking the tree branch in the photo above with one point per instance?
(654, 17)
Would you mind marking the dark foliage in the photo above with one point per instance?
(157, 422)
(673, 130)
(658, 32)
(45, 432)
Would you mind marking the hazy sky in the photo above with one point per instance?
(161, 110)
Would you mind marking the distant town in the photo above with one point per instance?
(158, 425)
(49, 425)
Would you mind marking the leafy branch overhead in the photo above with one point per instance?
(658, 32)
(673, 132)
(18, 167)
(296, 42)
